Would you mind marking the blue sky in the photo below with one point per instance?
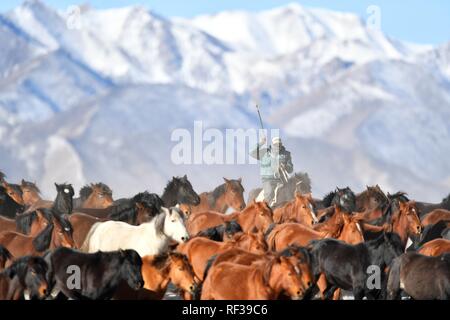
(418, 21)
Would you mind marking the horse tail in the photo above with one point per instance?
(209, 264)
(87, 241)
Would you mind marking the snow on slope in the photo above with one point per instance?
(99, 103)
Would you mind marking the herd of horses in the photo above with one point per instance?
(215, 246)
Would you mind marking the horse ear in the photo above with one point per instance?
(57, 186)
(185, 177)
(177, 206)
(226, 180)
(239, 180)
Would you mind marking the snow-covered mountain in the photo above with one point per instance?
(99, 101)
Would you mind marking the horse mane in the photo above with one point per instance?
(16, 188)
(124, 213)
(294, 250)
(2, 176)
(149, 200)
(216, 194)
(85, 192)
(159, 222)
(43, 239)
(268, 268)
(24, 221)
(30, 185)
(400, 196)
(328, 199)
(63, 221)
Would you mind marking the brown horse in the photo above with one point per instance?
(27, 223)
(435, 247)
(346, 228)
(94, 196)
(227, 195)
(435, 216)
(58, 233)
(199, 250)
(14, 192)
(403, 220)
(300, 210)
(372, 202)
(157, 272)
(82, 224)
(264, 280)
(298, 256)
(257, 215)
(30, 193)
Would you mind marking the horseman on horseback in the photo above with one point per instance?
(276, 165)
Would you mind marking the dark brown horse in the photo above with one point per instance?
(419, 276)
(179, 190)
(26, 276)
(94, 196)
(227, 195)
(257, 215)
(30, 193)
(27, 223)
(8, 206)
(372, 202)
(58, 233)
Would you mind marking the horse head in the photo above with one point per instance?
(234, 194)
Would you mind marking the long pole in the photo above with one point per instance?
(260, 119)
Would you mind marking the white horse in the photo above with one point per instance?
(150, 238)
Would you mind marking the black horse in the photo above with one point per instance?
(62, 206)
(25, 278)
(178, 191)
(347, 266)
(99, 274)
(420, 277)
(344, 198)
(218, 233)
(127, 210)
(8, 207)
